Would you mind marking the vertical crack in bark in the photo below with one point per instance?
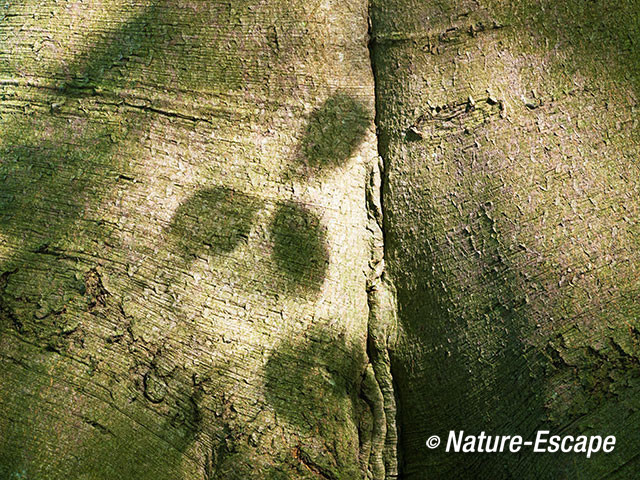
(381, 334)
(378, 389)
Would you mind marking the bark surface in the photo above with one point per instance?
(509, 132)
(208, 272)
(183, 240)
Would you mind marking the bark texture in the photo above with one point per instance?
(509, 132)
(184, 249)
(291, 240)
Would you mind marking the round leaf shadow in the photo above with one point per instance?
(299, 246)
(309, 380)
(334, 132)
(215, 219)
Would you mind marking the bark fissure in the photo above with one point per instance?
(378, 387)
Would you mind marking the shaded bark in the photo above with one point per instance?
(509, 133)
(183, 239)
(207, 271)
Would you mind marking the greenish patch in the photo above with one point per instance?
(151, 448)
(598, 36)
(46, 170)
(313, 383)
(11, 474)
(276, 473)
(161, 45)
(300, 246)
(95, 439)
(305, 380)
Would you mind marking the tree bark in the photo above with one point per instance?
(290, 240)
(183, 240)
(510, 137)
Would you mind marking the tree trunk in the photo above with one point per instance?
(203, 258)
(510, 136)
(183, 240)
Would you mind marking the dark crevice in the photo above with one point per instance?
(382, 306)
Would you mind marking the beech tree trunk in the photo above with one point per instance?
(510, 137)
(183, 239)
(291, 240)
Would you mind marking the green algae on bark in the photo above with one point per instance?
(139, 303)
(508, 134)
